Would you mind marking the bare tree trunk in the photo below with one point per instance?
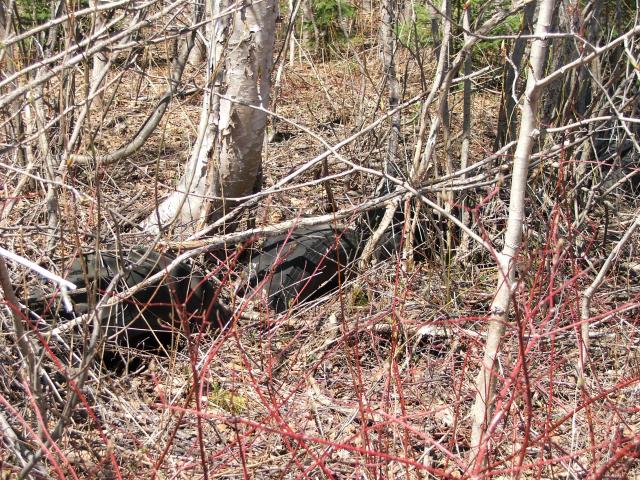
(198, 53)
(485, 383)
(389, 44)
(308, 16)
(556, 95)
(426, 143)
(447, 196)
(389, 24)
(435, 32)
(226, 161)
(100, 60)
(466, 130)
(293, 8)
(5, 18)
(417, 173)
(289, 44)
(507, 116)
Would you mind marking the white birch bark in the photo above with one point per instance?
(226, 160)
(485, 383)
(100, 59)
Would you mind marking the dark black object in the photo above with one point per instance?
(617, 156)
(303, 264)
(180, 300)
(391, 240)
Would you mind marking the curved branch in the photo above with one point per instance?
(589, 292)
(153, 120)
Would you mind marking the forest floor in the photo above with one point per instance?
(375, 381)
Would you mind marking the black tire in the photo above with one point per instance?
(303, 264)
(149, 318)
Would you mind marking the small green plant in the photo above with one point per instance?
(34, 12)
(37, 12)
(359, 298)
(489, 50)
(226, 400)
(332, 19)
(416, 31)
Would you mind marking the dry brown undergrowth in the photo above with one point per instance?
(379, 383)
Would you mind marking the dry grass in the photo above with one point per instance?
(374, 382)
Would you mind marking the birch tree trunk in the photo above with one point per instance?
(485, 383)
(226, 161)
(100, 60)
